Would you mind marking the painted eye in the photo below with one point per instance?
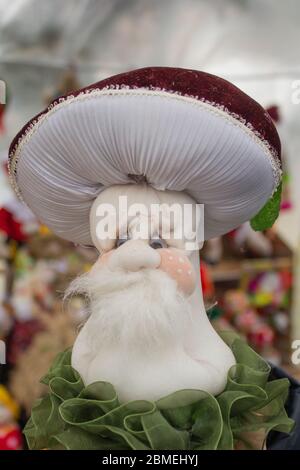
(121, 241)
(157, 243)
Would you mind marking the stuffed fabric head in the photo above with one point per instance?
(148, 332)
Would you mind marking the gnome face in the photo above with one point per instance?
(148, 332)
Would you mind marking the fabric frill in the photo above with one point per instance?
(73, 416)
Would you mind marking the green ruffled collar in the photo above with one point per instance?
(72, 416)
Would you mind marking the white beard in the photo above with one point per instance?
(140, 310)
(142, 337)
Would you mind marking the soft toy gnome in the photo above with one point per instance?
(155, 137)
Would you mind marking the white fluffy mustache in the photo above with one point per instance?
(132, 309)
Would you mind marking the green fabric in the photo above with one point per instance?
(72, 416)
(269, 213)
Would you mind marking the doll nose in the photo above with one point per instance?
(134, 255)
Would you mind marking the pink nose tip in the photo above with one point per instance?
(178, 266)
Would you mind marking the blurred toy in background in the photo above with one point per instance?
(245, 318)
(270, 289)
(243, 241)
(32, 318)
(20, 338)
(59, 332)
(259, 311)
(36, 284)
(270, 293)
(36, 266)
(10, 433)
(249, 243)
(17, 223)
(16, 219)
(239, 312)
(281, 322)
(30, 292)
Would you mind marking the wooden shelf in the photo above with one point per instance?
(231, 270)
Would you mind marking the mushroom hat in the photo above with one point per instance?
(177, 129)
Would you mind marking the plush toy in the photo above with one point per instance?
(247, 241)
(270, 288)
(122, 165)
(247, 320)
(58, 333)
(243, 241)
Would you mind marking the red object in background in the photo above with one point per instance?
(10, 226)
(10, 437)
(206, 281)
(262, 336)
(286, 279)
(21, 337)
(246, 321)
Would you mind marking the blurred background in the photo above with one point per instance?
(251, 280)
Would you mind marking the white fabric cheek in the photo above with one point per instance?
(100, 140)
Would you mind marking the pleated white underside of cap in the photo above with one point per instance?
(97, 140)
